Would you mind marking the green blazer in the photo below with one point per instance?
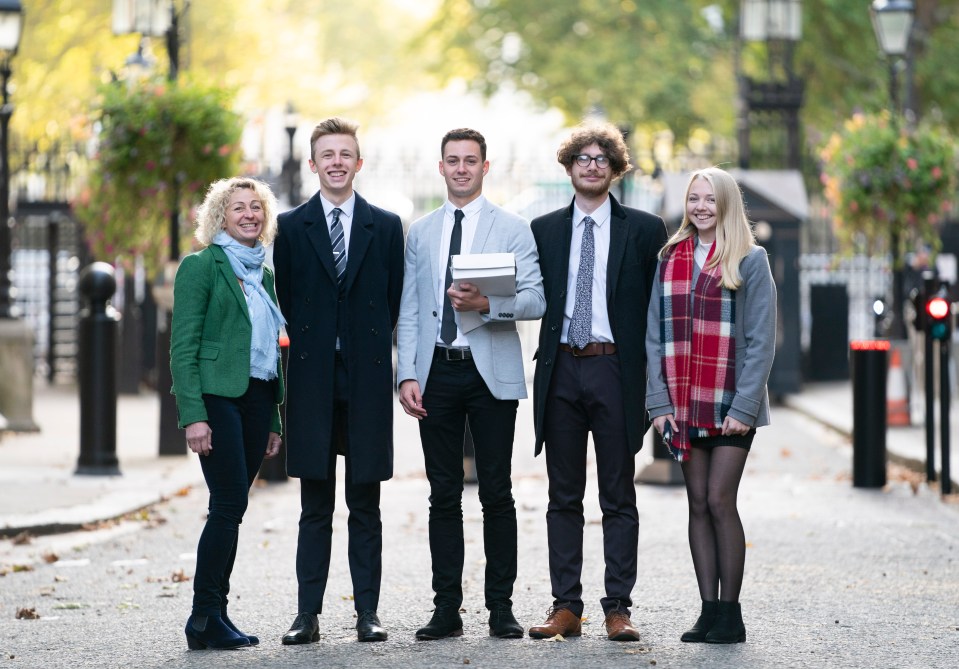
(211, 335)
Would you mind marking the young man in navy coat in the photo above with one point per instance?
(339, 277)
(598, 261)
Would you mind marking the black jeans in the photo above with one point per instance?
(455, 391)
(241, 428)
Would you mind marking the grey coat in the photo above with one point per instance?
(755, 344)
(496, 346)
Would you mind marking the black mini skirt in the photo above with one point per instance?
(737, 440)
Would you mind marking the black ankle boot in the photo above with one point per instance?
(728, 627)
(211, 632)
(697, 633)
(254, 640)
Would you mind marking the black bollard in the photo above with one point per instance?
(97, 373)
(870, 362)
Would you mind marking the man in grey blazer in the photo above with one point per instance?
(451, 368)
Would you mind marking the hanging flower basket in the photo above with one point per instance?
(889, 184)
(160, 146)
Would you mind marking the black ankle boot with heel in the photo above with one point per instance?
(729, 627)
(697, 633)
(211, 632)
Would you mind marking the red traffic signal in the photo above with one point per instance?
(937, 308)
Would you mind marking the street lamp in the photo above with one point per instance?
(892, 21)
(160, 18)
(778, 98)
(11, 22)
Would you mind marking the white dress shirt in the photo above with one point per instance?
(471, 214)
(601, 330)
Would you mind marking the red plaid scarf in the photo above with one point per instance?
(697, 330)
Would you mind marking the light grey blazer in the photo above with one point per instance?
(495, 345)
(755, 344)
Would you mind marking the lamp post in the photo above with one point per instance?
(292, 164)
(11, 22)
(892, 21)
(779, 96)
(161, 18)
(16, 335)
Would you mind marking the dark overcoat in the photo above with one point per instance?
(635, 239)
(368, 305)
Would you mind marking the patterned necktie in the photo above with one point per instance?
(448, 329)
(581, 323)
(339, 247)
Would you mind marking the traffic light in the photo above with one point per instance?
(939, 316)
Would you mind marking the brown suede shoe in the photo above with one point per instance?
(559, 621)
(620, 628)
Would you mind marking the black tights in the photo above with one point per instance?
(716, 537)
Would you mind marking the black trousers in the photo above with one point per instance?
(455, 391)
(241, 428)
(585, 395)
(317, 503)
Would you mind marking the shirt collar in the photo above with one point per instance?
(599, 216)
(470, 209)
(346, 207)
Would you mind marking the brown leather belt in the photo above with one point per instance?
(595, 348)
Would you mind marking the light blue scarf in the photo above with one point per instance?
(247, 264)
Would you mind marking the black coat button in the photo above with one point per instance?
(304, 355)
(374, 332)
(554, 328)
(434, 314)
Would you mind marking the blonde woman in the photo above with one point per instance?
(227, 378)
(710, 341)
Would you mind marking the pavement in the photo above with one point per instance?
(40, 492)
(836, 576)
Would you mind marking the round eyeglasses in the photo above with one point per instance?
(583, 160)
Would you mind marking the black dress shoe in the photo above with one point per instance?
(503, 625)
(368, 627)
(445, 622)
(305, 629)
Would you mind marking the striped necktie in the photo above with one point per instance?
(339, 247)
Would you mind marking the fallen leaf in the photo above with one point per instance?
(22, 539)
(785, 453)
(179, 577)
(558, 637)
(50, 557)
(57, 578)
(21, 567)
(27, 614)
(183, 492)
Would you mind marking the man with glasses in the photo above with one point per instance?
(598, 260)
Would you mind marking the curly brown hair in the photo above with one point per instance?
(607, 136)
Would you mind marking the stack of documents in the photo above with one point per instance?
(493, 273)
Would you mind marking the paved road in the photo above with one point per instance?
(835, 577)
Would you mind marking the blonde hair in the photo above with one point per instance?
(734, 235)
(211, 215)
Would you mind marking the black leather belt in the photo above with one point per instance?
(452, 354)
